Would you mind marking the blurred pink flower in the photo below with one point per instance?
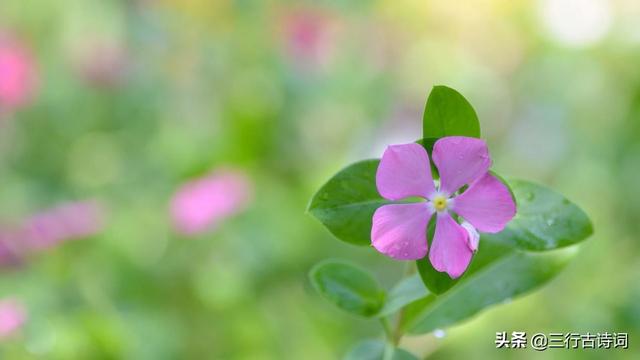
(102, 64)
(201, 204)
(68, 221)
(12, 317)
(17, 73)
(10, 253)
(73, 220)
(310, 37)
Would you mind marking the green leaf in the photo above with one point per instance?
(346, 203)
(405, 292)
(374, 350)
(437, 282)
(497, 273)
(347, 286)
(427, 144)
(545, 220)
(448, 113)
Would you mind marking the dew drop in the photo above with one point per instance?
(530, 196)
(439, 333)
(551, 221)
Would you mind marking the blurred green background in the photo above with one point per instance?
(132, 99)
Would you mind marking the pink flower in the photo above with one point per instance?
(49, 228)
(310, 36)
(103, 64)
(73, 220)
(10, 253)
(12, 317)
(17, 74)
(400, 230)
(202, 204)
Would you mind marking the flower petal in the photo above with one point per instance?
(473, 237)
(404, 171)
(400, 230)
(449, 249)
(460, 160)
(487, 204)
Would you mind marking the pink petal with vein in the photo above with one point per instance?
(460, 160)
(400, 230)
(404, 171)
(450, 251)
(487, 204)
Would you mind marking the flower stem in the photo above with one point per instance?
(389, 345)
(386, 325)
(389, 349)
(397, 332)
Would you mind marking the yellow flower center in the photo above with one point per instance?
(439, 203)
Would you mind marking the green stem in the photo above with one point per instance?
(388, 332)
(389, 349)
(386, 325)
(397, 332)
(394, 335)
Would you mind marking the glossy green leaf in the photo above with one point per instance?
(437, 282)
(448, 113)
(347, 286)
(545, 220)
(404, 293)
(374, 350)
(346, 203)
(427, 143)
(497, 273)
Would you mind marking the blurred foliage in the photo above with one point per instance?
(135, 98)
